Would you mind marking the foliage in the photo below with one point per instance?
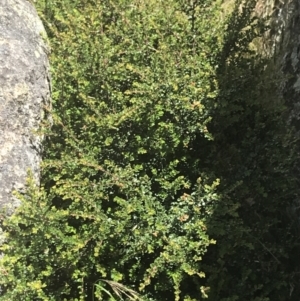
(122, 199)
(256, 157)
(168, 167)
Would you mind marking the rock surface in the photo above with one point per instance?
(24, 94)
(283, 45)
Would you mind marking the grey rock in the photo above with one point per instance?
(282, 46)
(24, 95)
(297, 85)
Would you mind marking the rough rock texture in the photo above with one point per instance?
(290, 59)
(24, 93)
(282, 43)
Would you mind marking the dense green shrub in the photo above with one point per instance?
(168, 167)
(134, 83)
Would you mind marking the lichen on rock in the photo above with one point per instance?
(24, 94)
